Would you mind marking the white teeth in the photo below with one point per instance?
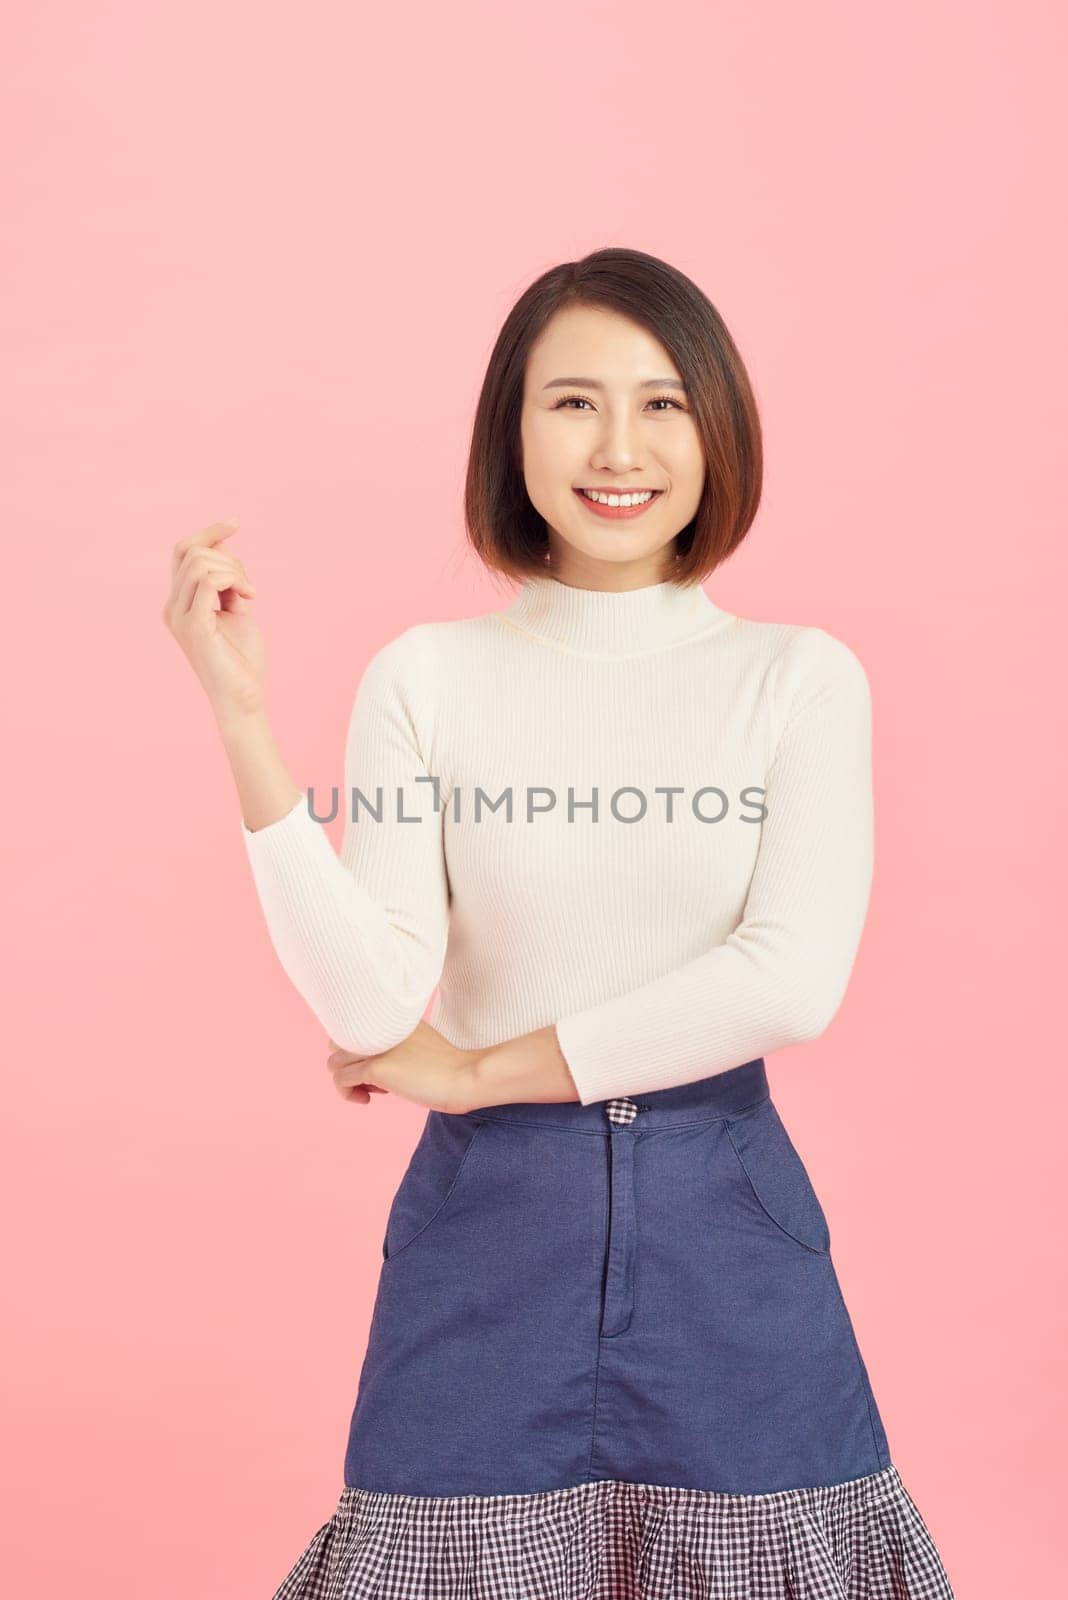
(618, 499)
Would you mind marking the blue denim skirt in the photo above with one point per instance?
(605, 1317)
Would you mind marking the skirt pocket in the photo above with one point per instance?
(778, 1178)
(429, 1180)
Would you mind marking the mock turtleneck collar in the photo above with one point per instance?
(612, 623)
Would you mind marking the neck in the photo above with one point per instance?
(612, 622)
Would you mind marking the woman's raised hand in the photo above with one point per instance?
(208, 613)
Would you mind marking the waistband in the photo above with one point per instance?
(724, 1094)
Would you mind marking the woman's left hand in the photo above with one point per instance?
(424, 1068)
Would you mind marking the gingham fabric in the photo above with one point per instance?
(610, 1540)
(621, 1111)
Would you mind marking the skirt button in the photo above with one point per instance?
(621, 1110)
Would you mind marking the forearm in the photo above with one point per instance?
(527, 1070)
(266, 790)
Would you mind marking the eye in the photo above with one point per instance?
(581, 400)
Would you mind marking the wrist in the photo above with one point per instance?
(234, 719)
(477, 1073)
(527, 1070)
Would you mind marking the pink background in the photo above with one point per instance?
(255, 263)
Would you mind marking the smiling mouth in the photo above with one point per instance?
(618, 502)
(615, 493)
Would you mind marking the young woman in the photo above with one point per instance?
(627, 837)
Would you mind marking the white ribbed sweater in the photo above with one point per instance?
(663, 950)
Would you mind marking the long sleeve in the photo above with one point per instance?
(780, 976)
(363, 935)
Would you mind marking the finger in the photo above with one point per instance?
(205, 587)
(215, 581)
(206, 560)
(346, 1079)
(359, 1094)
(212, 535)
(203, 601)
(189, 575)
(344, 1058)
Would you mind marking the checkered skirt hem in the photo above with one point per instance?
(611, 1540)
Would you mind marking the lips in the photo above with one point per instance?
(616, 513)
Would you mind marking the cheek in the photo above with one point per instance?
(549, 454)
(685, 461)
(684, 447)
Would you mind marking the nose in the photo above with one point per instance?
(617, 448)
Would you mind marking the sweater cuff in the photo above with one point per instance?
(285, 823)
(597, 1060)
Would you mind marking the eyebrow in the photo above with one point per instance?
(595, 383)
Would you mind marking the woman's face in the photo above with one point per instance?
(604, 409)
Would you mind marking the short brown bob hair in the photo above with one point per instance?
(508, 534)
